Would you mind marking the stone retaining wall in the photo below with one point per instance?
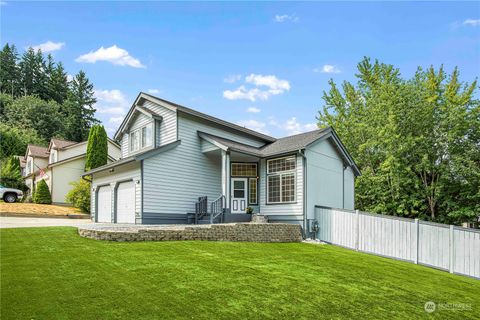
(252, 232)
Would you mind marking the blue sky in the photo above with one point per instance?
(262, 65)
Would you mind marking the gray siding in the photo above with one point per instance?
(167, 131)
(282, 212)
(175, 179)
(324, 178)
(124, 144)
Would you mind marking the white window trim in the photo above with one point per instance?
(140, 138)
(281, 173)
(256, 191)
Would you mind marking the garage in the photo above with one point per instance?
(126, 202)
(104, 204)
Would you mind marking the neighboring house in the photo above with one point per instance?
(172, 155)
(60, 164)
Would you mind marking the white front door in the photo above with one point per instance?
(239, 195)
(126, 202)
(104, 204)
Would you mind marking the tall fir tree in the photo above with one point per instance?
(79, 108)
(57, 86)
(97, 148)
(27, 73)
(9, 72)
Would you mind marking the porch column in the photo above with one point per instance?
(226, 177)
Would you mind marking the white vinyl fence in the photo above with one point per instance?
(447, 247)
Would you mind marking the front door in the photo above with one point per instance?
(239, 195)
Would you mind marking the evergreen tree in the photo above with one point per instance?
(42, 193)
(57, 83)
(97, 148)
(9, 73)
(40, 78)
(79, 108)
(27, 68)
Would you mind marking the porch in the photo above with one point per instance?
(240, 181)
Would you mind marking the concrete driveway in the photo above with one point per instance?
(21, 222)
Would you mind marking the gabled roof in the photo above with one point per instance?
(60, 144)
(137, 157)
(283, 145)
(293, 143)
(37, 151)
(142, 96)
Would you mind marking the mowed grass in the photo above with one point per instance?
(52, 273)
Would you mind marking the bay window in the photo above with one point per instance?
(281, 180)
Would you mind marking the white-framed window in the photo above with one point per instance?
(243, 169)
(141, 138)
(53, 156)
(29, 166)
(281, 178)
(252, 191)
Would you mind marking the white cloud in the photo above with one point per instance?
(286, 17)
(327, 68)
(232, 78)
(49, 46)
(69, 77)
(242, 93)
(153, 91)
(253, 110)
(113, 54)
(292, 126)
(112, 102)
(254, 125)
(274, 86)
(472, 22)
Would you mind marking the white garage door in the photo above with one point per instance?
(104, 203)
(126, 202)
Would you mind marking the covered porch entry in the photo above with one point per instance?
(240, 181)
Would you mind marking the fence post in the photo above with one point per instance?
(452, 248)
(417, 239)
(357, 229)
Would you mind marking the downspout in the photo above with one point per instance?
(343, 187)
(304, 163)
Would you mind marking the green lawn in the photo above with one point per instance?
(52, 273)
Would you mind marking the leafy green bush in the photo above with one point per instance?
(10, 175)
(79, 196)
(42, 193)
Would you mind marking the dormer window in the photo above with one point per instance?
(141, 138)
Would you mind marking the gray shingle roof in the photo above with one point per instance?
(280, 146)
(284, 145)
(60, 144)
(293, 143)
(38, 151)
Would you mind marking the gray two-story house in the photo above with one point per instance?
(176, 162)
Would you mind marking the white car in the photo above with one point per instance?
(9, 194)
